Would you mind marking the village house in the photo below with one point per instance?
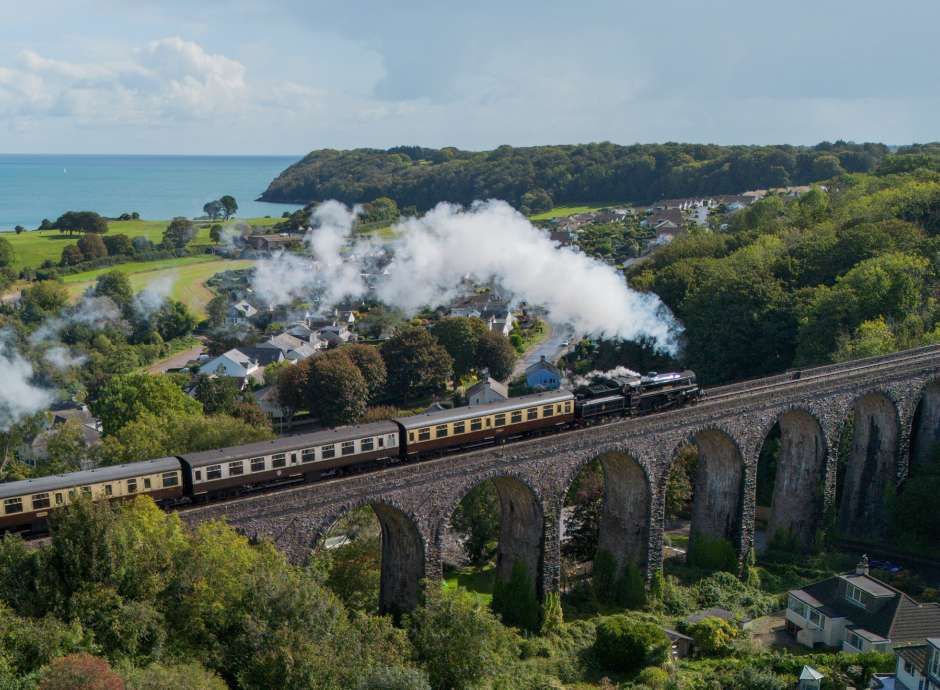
(294, 349)
(242, 363)
(489, 390)
(239, 313)
(36, 450)
(543, 375)
(270, 243)
(668, 219)
(856, 612)
(918, 667)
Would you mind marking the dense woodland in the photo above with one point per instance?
(536, 178)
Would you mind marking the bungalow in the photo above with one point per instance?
(239, 313)
(270, 242)
(294, 348)
(856, 612)
(543, 375)
(242, 362)
(489, 390)
(334, 335)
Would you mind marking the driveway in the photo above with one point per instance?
(552, 348)
(180, 359)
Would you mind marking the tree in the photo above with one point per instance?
(536, 201)
(65, 448)
(71, 256)
(81, 221)
(713, 636)
(515, 600)
(80, 672)
(497, 354)
(92, 247)
(186, 676)
(625, 644)
(213, 209)
(291, 385)
(42, 300)
(46, 224)
(336, 390)
(7, 255)
(178, 234)
(141, 244)
(370, 364)
(19, 229)
(229, 206)
(217, 395)
(457, 640)
(394, 678)
(416, 364)
(460, 336)
(117, 286)
(216, 310)
(174, 320)
(118, 245)
(215, 233)
(125, 398)
(477, 520)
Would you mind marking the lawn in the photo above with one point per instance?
(35, 246)
(479, 583)
(187, 277)
(565, 211)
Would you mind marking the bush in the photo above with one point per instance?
(190, 676)
(553, 616)
(515, 600)
(653, 677)
(712, 553)
(80, 672)
(713, 636)
(603, 575)
(625, 644)
(395, 678)
(631, 588)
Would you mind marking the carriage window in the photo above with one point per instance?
(548, 411)
(460, 427)
(72, 494)
(328, 451)
(236, 468)
(567, 407)
(131, 486)
(440, 431)
(170, 479)
(198, 474)
(476, 424)
(532, 413)
(381, 442)
(348, 447)
(560, 409)
(146, 484)
(516, 417)
(411, 436)
(59, 499)
(13, 505)
(424, 434)
(308, 455)
(108, 491)
(279, 460)
(500, 420)
(257, 464)
(40, 501)
(86, 491)
(367, 444)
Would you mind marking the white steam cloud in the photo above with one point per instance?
(19, 395)
(149, 300)
(62, 358)
(89, 311)
(489, 242)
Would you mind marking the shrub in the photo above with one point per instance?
(553, 616)
(653, 677)
(712, 553)
(625, 644)
(603, 575)
(191, 676)
(80, 672)
(631, 588)
(395, 678)
(713, 636)
(515, 600)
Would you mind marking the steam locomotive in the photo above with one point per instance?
(223, 472)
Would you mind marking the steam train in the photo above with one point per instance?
(225, 472)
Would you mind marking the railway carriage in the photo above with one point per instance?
(464, 427)
(27, 503)
(293, 458)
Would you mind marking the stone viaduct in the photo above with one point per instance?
(890, 405)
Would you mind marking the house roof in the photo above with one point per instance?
(916, 654)
(492, 384)
(284, 341)
(86, 477)
(902, 619)
(810, 673)
(543, 364)
(262, 355)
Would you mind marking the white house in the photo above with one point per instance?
(918, 666)
(241, 363)
(855, 612)
(335, 335)
(489, 390)
(239, 313)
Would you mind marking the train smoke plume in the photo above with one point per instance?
(489, 242)
(20, 395)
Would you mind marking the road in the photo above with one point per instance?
(176, 361)
(552, 348)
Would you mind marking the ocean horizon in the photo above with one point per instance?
(37, 186)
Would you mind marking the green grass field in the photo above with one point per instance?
(479, 583)
(35, 246)
(565, 211)
(188, 275)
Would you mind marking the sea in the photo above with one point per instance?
(33, 187)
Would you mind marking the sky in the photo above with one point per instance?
(289, 76)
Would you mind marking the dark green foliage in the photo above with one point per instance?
(476, 519)
(496, 353)
(336, 391)
(92, 247)
(919, 490)
(625, 644)
(515, 600)
(553, 616)
(117, 286)
(229, 206)
(460, 336)
(81, 221)
(188, 676)
(711, 553)
(174, 320)
(178, 234)
(540, 176)
(7, 255)
(71, 256)
(713, 636)
(218, 395)
(604, 575)
(631, 588)
(416, 364)
(370, 364)
(583, 529)
(118, 245)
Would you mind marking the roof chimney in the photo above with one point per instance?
(862, 567)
